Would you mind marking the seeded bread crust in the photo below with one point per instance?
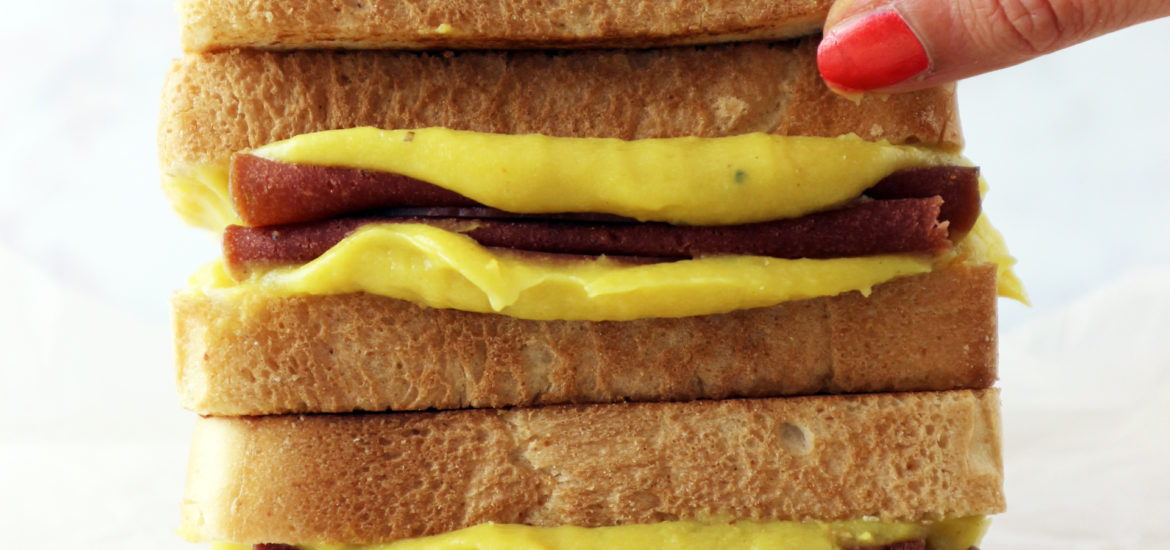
(490, 24)
(382, 477)
(216, 104)
(340, 353)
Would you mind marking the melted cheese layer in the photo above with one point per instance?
(956, 534)
(692, 181)
(442, 269)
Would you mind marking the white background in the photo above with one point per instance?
(93, 445)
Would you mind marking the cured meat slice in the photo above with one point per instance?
(957, 185)
(866, 228)
(266, 192)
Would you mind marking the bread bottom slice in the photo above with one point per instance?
(267, 354)
(370, 478)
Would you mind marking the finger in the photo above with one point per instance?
(902, 45)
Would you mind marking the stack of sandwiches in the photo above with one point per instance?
(573, 274)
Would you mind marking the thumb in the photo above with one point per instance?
(903, 45)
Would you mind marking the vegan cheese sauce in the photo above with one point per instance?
(956, 534)
(690, 180)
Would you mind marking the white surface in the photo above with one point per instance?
(93, 445)
(1085, 410)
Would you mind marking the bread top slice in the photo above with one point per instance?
(383, 477)
(490, 24)
(214, 105)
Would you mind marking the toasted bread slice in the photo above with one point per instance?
(266, 354)
(383, 477)
(491, 24)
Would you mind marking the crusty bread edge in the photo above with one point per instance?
(423, 41)
(380, 477)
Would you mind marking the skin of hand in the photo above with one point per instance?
(902, 45)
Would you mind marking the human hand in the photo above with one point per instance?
(903, 45)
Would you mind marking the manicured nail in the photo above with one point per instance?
(871, 52)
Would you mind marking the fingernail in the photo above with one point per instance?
(871, 52)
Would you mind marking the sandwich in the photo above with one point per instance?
(280, 327)
(677, 296)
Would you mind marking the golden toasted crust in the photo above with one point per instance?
(490, 24)
(217, 104)
(381, 477)
(270, 355)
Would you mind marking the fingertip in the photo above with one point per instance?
(871, 51)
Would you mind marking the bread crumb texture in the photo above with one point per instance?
(368, 478)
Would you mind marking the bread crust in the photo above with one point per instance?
(368, 478)
(217, 104)
(340, 353)
(490, 24)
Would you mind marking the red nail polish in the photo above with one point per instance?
(871, 52)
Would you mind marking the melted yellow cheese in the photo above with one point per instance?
(199, 194)
(957, 534)
(985, 244)
(442, 269)
(690, 180)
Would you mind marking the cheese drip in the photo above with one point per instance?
(442, 269)
(690, 180)
(955, 534)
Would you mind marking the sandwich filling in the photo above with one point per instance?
(911, 211)
(552, 228)
(955, 534)
(684, 181)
